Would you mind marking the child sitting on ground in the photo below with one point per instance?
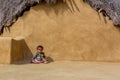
(39, 56)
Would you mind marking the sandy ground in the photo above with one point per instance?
(61, 71)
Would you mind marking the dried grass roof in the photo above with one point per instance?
(10, 10)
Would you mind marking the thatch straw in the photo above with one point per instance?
(10, 10)
(110, 8)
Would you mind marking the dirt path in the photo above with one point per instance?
(61, 71)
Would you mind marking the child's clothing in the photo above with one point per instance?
(38, 57)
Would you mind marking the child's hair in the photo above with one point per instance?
(39, 46)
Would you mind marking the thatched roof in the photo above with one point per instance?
(110, 8)
(10, 10)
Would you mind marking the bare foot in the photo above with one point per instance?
(45, 62)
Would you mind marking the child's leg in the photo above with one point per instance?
(45, 60)
(36, 60)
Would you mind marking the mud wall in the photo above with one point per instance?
(69, 31)
(5, 50)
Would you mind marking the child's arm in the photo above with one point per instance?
(45, 59)
(44, 55)
(34, 56)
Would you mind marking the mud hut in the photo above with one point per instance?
(68, 30)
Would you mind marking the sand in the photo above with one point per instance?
(61, 70)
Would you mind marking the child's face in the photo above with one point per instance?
(40, 49)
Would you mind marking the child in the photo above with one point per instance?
(39, 56)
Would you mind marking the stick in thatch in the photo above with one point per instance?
(109, 8)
